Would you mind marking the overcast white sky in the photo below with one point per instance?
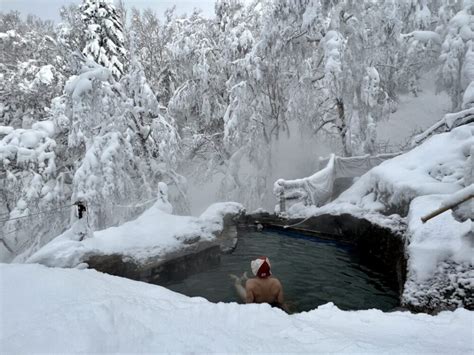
(49, 9)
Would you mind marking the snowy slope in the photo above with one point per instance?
(65, 310)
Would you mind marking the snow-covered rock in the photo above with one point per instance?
(155, 233)
(45, 310)
(440, 264)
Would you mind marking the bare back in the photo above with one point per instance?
(268, 290)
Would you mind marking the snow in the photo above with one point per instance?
(468, 97)
(65, 311)
(437, 240)
(423, 16)
(449, 121)
(458, 196)
(217, 211)
(4, 130)
(467, 71)
(153, 234)
(433, 167)
(45, 74)
(423, 36)
(48, 127)
(309, 16)
(28, 145)
(440, 266)
(333, 46)
(78, 85)
(462, 21)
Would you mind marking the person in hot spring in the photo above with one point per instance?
(264, 288)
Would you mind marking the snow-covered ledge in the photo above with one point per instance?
(140, 249)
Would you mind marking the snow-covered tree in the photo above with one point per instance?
(353, 53)
(31, 70)
(71, 39)
(455, 71)
(152, 37)
(262, 98)
(104, 35)
(156, 139)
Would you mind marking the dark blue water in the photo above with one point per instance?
(312, 272)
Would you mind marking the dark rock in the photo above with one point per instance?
(159, 270)
(181, 264)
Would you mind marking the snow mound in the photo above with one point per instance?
(435, 167)
(440, 260)
(154, 233)
(48, 310)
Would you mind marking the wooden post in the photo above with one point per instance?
(444, 209)
(282, 202)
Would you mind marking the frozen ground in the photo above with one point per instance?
(47, 310)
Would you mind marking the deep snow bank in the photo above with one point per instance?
(153, 234)
(440, 266)
(48, 310)
(435, 167)
(401, 190)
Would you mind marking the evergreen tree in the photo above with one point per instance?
(104, 32)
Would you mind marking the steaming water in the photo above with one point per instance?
(312, 272)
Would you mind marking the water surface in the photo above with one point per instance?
(312, 272)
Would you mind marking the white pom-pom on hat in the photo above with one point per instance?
(261, 267)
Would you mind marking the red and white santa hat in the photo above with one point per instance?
(261, 267)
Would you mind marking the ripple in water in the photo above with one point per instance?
(312, 272)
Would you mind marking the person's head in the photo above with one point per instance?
(261, 267)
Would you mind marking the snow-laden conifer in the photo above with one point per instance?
(104, 35)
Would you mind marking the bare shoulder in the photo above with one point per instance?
(250, 283)
(276, 282)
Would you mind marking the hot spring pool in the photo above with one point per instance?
(312, 272)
